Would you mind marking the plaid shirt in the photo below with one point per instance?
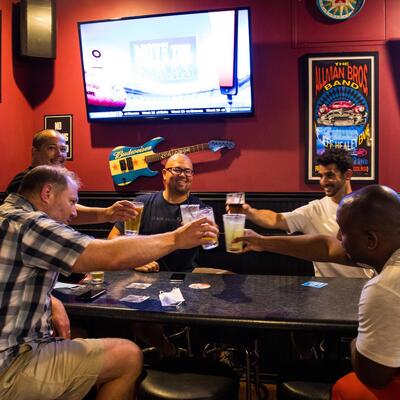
(34, 249)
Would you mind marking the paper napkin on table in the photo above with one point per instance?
(172, 298)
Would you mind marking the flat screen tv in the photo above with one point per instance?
(168, 66)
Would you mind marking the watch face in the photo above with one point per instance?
(340, 9)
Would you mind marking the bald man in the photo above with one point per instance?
(49, 148)
(369, 233)
(162, 213)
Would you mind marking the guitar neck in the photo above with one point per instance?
(183, 150)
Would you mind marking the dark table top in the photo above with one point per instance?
(240, 301)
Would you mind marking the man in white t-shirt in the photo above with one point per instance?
(369, 233)
(319, 216)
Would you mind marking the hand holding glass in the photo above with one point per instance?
(208, 213)
(233, 227)
(132, 226)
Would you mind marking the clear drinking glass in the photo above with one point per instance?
(235, 201)
(97, 277)
(189, 212)
(233, 227)
(208, 212)
(132, 226)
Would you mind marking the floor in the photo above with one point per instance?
(271, 390)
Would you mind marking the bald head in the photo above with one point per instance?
(374, 206)
(369, 222)
(178, 178)
(48, 148)
(177, 160)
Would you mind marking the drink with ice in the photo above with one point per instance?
(233, 227)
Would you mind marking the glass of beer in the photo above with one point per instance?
(189, 212)
(208, 212)
(97, 277)
(233, 227)
(235, 201)
(132, 226)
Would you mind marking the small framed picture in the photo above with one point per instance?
(342, 110)
(63, 124)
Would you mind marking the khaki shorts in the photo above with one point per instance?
(65, 369)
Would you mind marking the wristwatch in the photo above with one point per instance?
(340, 10)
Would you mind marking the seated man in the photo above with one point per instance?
(48, 148)
(162, 213)
(369, 234)
(36, 246)
(319, 216)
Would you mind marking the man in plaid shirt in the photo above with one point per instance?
(36, 246)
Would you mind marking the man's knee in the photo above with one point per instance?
(121, 357)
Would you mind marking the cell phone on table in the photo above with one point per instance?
(177, 277)
(90, 295)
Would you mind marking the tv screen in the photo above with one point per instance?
(168, 66)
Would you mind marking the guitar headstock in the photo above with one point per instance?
(215, 145)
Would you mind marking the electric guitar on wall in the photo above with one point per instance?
(128, 163)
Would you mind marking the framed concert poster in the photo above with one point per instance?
(342, 110)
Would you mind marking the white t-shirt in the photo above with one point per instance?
(319, 217)
(379, 316)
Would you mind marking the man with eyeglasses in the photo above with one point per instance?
(162, 213)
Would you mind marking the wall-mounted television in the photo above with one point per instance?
(168, 66)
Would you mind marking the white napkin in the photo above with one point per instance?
(172, 298)
(133, 298)
(63, 285)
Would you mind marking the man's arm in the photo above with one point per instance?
(265, 218)
(119, 211)
(308, 247)
(130, 251)
(370, 372)
(60, 318)
(152, 266)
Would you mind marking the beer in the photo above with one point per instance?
(233, 227)
(132, 226)
(97, 277)
(234, 202)
(235, 208)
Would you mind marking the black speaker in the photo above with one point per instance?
(38, 28)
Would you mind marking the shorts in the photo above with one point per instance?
(64, 369)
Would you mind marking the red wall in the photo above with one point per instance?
(269, 154)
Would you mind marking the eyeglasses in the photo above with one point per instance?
(179, 171)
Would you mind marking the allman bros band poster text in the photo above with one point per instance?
(342, 110)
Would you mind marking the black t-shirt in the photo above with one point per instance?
(159, 216)
(15, 183)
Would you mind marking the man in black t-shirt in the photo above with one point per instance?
(161, 213)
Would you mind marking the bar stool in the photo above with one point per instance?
(304, 390)
(189, 379)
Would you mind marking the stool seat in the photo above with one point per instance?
(306, 390)
(189, 379)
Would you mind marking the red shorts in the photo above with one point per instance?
(350, 388)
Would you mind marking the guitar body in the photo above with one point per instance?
(129, 163)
